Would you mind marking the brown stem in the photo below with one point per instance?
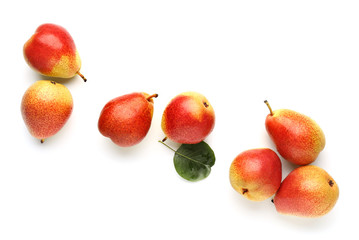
(152, 96)
(42, 140)
(270, 109)
(331, 183)
(82, 76)
(164, 139)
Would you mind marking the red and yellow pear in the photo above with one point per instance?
(256, 173)
(307, 191)
(51, 51)
(46, 106)
(127, 119)
(189, 118)
(298, 138)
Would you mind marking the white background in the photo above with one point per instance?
(301, 55)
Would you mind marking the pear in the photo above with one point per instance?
(298, 138)
(189, 118)
(127, 119)
(46, 106)
(51, 51)
(256, 173)
(307, 191)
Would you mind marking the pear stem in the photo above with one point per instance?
(331, 183)
(152, 96)
(166, 144)
(82, 76)
(270, 109)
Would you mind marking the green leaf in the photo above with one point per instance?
(193, 162)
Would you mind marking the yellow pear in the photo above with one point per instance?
(46, 106)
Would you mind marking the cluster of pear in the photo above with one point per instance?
(188, 118)
(307, 191)
(47, 105)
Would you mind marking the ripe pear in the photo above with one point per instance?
(308, 191)
(256, 173)
(46, 106)
(189, 118)
(51, 51)
(127, 119)
(298, 138)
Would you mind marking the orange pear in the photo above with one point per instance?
(189, 118)
(298, 138)
(46, 106)
(51, 51)
(308, 191)
(127, 119)
(256, 173)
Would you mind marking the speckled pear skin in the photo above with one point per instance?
(127, 119)
(51, 51)
(46, 106)
(189, 118)
(256, 173)
(308, 191)
(298, 138)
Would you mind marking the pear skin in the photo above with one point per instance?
(46, 106)
(256, 174)
(308, 191)
(189, 118)
(126, 120)
(51, 51)
(298, 138)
